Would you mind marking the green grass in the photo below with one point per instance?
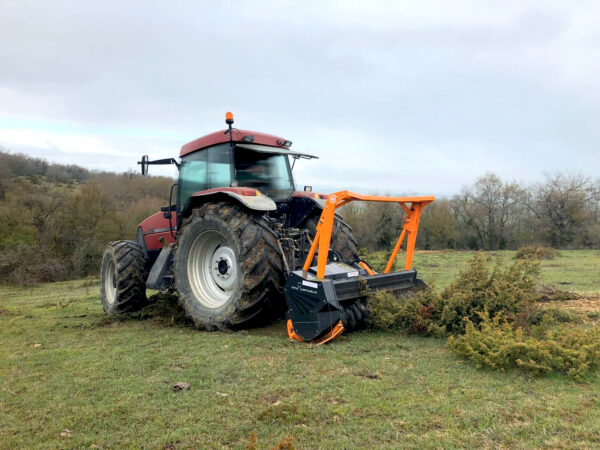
(64, 365)
(573, 270)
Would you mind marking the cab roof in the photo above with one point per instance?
(219, 137)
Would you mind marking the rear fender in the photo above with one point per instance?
(240, 196)
(252, 199)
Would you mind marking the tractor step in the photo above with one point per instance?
(160, 278)
(314, 304)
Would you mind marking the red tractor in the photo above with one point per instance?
(237, 238)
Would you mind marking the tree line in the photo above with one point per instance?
(562, 211)
(55, 220)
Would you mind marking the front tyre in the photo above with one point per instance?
(123, 277)
(228, 268)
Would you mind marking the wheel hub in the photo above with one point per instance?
(223, 269)
(223, 266)
(212, 269)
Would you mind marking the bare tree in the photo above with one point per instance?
(560, 205)
(594, 201)
(486, 208)
(438, 226)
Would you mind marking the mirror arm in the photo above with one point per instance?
(145, 163)
(164, 161)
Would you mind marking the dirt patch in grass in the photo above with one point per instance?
(550, 293)
(275, 397)
(589, 307)
(162, 310)
(286, 443)
(165, 310)
(368, 374)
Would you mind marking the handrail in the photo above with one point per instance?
(322, 238)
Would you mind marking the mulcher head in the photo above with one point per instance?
(318, 295)
(315, 306)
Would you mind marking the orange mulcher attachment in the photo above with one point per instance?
(317, 294)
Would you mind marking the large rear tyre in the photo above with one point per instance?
(356, 315)
(228, 268)
(342, 240)
(123, 277)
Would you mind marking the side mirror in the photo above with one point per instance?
(144, 164)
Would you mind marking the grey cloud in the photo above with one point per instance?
(484, 86)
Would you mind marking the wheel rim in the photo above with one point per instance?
(212, 269)
(110, 281)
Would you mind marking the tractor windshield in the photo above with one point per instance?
(269, 173)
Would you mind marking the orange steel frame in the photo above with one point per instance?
(325, 227)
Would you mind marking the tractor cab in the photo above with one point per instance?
(236, 162)
(263, 168)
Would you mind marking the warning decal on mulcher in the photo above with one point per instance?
(310, 284)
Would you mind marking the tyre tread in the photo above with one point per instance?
(131, 277)
(261, 261)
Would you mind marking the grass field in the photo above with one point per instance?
(73, 377)
(573, 270)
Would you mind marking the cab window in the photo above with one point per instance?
(192, 177)
(267, 172)
(219, 166)
(204, 169)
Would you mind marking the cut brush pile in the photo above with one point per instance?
(498, 344)
(491, 316)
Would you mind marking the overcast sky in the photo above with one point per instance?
(398, 96)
